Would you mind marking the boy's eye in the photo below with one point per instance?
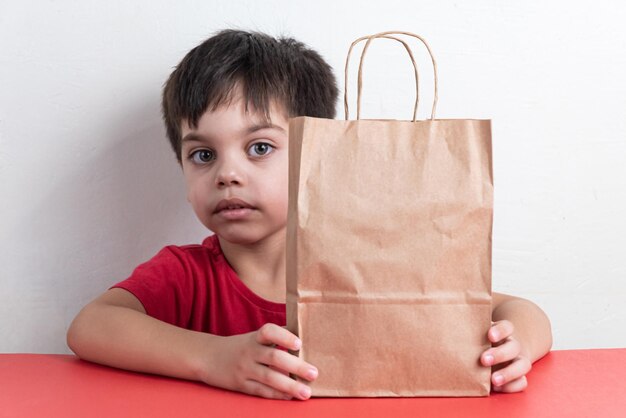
(202, 156)
(260, 149)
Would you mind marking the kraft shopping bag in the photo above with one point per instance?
(389, 251)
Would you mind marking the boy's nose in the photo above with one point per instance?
(228, 178)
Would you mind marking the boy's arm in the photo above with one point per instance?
(114, 330)
(521, 334)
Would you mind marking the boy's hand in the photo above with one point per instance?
(250, 363)
(511, 363)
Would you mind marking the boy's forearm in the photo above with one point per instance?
(124, 338)
(532, 326)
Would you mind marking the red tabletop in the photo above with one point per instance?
(571, 383)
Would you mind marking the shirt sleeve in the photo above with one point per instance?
(164, 286)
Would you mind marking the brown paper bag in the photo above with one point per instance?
(389, 252)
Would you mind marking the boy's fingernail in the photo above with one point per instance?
(495, 334)
(305, 392)
(311, 374)
(297, 344)
(498, 379)
(489, 359)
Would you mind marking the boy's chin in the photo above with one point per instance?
(237, 240)
(246, 238)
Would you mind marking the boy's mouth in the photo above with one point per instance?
(232, 204)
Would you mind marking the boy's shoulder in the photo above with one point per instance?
(175, 262)
(189, 255)
(210, 243)
(209, 246)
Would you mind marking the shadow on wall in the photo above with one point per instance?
(119, 201)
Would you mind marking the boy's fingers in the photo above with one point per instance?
(287, 362)
(509, 350)
(517, 385)
(270, 334)
(255, 388)
(280, 382)
(279, 370)
(500, 330)
(514, 371)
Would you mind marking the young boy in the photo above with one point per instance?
(216, 312)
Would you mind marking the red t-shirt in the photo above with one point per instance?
(194, 287)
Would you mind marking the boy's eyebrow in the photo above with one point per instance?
(193, 136)
(263, 125)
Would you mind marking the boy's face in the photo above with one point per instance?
(236, 155)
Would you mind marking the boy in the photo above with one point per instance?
(215, 312)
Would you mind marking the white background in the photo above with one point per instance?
(89, 187)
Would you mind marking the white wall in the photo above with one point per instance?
(89, 187)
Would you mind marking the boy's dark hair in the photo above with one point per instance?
(266, 68)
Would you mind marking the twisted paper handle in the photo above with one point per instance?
(360, 74)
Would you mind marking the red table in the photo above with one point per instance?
(571, 383)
